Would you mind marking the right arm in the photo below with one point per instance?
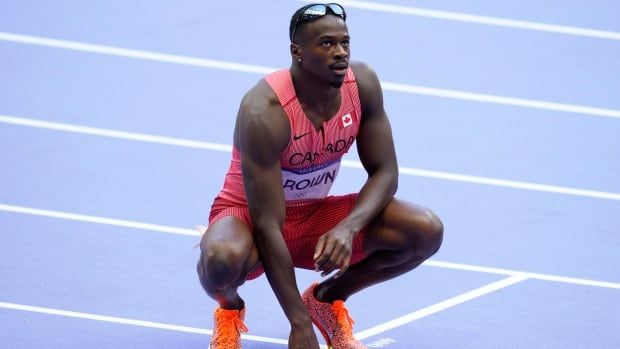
(261, 133)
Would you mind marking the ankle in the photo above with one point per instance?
(323, 294)
(232, 304)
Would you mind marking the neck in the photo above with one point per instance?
(310, 90)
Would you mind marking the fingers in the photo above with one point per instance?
(320, 246)
(334, 256)
(343, 268)
(324, 260)
(342, 264)
(328, 270)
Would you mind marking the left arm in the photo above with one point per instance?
(376, 151)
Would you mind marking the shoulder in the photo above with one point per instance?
(260, 102)
(365, 76)
(368, 85)
(362, 70)
(261, 118)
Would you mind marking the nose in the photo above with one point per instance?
(341, 52)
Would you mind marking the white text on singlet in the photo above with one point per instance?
(309, 183)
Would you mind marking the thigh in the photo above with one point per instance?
(304, 226)
(230, 231)
(401, 224)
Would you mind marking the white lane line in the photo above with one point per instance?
(435, 308)
(137, 54)
(497, 182)
(132, 322)
(98, 220)
(194, 232)
(109, 133)
(255, 69)
(537, 276)
(492, 99)
(141, 137)
(486, 20)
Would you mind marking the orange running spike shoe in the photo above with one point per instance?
(227, 328)
(332, 320)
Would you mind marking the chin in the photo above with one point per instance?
(337, 83)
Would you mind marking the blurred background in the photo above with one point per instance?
(116, 120)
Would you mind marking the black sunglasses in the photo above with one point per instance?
(316, 11)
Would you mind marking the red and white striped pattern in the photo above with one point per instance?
(308, 148)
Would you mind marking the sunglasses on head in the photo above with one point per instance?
(316, 11)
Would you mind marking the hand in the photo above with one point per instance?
(303, 338)
(333, 251)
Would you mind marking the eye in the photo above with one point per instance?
(326, 43)
(345, 43)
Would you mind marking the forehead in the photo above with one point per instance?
(326, 25)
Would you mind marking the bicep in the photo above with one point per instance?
(263, 188)
(375, 144)
(260, 145)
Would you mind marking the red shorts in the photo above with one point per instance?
(303, 226)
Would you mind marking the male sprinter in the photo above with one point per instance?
(274, 213)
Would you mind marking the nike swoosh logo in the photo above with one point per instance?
(296, 137)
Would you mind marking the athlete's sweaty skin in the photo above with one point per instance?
(398, 235)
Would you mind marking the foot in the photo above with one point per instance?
(332, 320)
(227, 328)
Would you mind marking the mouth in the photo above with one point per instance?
(339, 68)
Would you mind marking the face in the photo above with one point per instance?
(323, 46)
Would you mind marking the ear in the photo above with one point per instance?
(295, 51)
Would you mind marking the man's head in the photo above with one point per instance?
(320, 42)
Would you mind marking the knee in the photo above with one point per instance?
(424, 232)
(220, 265)
(430, 234)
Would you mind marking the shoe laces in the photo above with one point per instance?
(344, 319)
(229, 325)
